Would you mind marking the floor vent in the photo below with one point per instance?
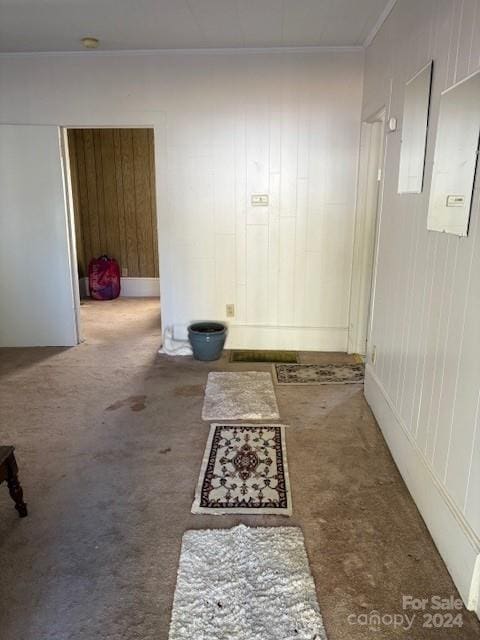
(263, 356)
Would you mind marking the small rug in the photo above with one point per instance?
(244, 470)
(246, 395)
(263, 356)
(245, 584)
(320, 373)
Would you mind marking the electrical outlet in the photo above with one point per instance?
(124, 272)
(373, 357)
(230, 310)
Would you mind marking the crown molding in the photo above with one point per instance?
(169, 52)
(378, 25)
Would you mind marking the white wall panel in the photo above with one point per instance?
(289, 161)
(224, 189)
(299, 288)
(473, 490)
(226, 126)
(274, 262)
(286, 271)
(257, 274)
(36, 289)
(426, 324)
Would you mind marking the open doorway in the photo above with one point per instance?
(370, 180)
(112, 181)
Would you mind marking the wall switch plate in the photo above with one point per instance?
(124, 272)
(455, 201)
(230, 310)
(259, 200)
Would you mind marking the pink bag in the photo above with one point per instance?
(104, 278)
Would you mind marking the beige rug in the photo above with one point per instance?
(245, 395)
(244, 470)
(245, 584)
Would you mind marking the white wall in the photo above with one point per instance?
(424, 386)
(228, 125)
(36, 292)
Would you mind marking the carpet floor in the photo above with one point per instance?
(245, 584)
(109, 440)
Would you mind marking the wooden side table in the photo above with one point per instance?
(9, 473)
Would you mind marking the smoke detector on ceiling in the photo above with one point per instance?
(89, 42)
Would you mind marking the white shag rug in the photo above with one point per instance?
(245, 584)
(244, 470)
(246, 395)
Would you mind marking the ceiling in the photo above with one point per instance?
(58, 25)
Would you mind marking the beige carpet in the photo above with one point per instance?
(244, 470)
(245, 584)
(121, 429)
(246, 395)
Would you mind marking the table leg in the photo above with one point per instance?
(15, 489)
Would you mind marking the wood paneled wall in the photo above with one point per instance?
(113, 188)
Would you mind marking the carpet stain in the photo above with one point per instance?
(167, 450)
(189, 390)
(115, 405)
(136, 403)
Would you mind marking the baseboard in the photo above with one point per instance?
(140, 288)
(242, 336)
(130, 287)
(456, 542)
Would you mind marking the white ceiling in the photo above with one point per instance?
(58, 25)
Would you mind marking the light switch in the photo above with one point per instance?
(259, 200)
(455, 201)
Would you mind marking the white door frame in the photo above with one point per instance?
(70, 215)
(369, 195)
(69, 207)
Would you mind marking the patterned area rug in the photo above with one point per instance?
(244, 470)
(245, 584)
(320, 373)
(246, 395)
